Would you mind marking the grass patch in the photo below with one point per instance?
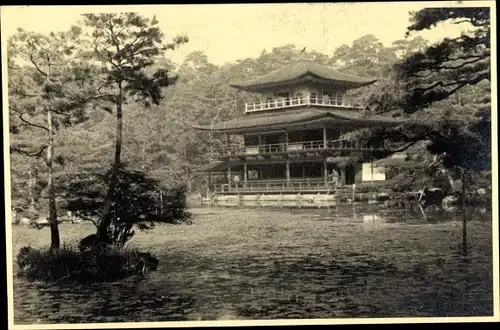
(72, 265)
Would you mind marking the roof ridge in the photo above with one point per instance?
(329, 67)
(292, 71)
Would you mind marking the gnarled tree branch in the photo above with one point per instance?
(26, 122)
(27, 153)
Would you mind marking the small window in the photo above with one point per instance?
(314, 97)
(327, 98)
(253, 174)
(251, 140)
(340, 99)
(299, 98)
(285, 96)
(270, 102)
(331, 99)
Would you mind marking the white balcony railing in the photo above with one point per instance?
(290, 102)
(274, 186)
(295, 147)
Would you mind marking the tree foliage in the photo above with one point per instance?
(368, 57)
(445, 90)
(137, 201)
(126, 45)
(446, 67)
(45, 73)
(48, 87)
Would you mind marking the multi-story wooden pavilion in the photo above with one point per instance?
(292, 140)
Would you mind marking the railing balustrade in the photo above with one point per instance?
(300, 101)
(274, 185)
(303, 146)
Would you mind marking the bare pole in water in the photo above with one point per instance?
(464, 211)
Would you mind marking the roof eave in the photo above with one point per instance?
(279, 126)
(213, 167)
(263, 86)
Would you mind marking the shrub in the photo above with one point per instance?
(72, 265)
(139, 201)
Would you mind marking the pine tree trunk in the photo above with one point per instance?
(102, 231)
(35, 179)
(54, 227)
(464, 210)
(464, 189)
(30, 190)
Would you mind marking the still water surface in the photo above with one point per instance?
(261, 264)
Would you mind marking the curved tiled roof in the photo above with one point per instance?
(299, 70)
(311, 114)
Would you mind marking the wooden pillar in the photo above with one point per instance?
(286, 140)
(287, 172)
(342, 175)
(287, 165)
(209, 179)
(371, 167)
(325, 169)
(229, 176)
(245, 175)
(324, 135)
(325, 162)
(229, 151)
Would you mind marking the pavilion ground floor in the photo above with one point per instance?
(295, 184)
(286, 177)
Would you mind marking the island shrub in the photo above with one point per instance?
(70, 264)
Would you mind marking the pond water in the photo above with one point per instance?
(277, 264)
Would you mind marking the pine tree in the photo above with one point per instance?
(48, 89)
(431, 85)
(127, 46)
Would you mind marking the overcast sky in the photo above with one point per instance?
(230, 32)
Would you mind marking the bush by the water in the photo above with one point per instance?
(139, 201)
(72, 265)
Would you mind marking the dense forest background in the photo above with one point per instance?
(159, 138)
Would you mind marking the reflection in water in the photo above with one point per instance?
(372, 221)
(353, 261)
(373, 218)
(112, 302)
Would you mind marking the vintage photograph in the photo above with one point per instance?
(293, 163)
